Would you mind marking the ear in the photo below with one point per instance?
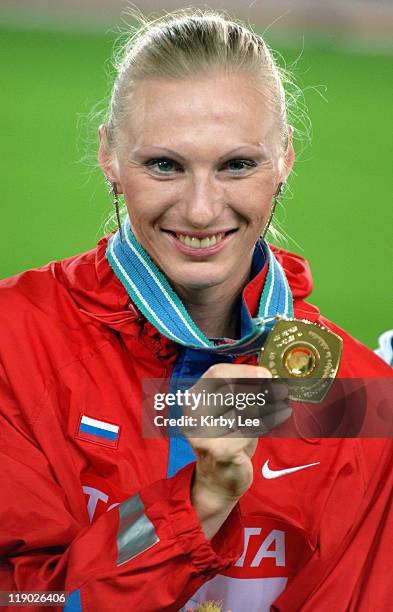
(289, 158)
(106, 160)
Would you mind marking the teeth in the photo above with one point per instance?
(197, 243)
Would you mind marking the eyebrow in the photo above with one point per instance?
(164, 149)
(259, 145)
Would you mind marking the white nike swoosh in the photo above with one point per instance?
(269, 474)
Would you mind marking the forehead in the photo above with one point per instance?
(221, 109)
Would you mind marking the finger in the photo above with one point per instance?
(236, 370)
(217, 396)
(276, 390)
(254, 422)
(273, 419)
(223, 449)
(258, 411)
(261, 424)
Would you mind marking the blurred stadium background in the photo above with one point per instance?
(339, 209)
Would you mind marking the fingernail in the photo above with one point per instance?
(264, 373)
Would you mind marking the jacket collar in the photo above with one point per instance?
(100, 295)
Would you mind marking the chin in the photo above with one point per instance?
(198, 281)
(198, 284)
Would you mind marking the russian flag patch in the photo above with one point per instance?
(98, 432)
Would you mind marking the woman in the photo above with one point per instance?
(197, 140)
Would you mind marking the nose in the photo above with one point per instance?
(204, 201)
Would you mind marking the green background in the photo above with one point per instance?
(340, 201)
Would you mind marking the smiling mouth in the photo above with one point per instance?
(201, 242)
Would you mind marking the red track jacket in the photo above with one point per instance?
(73, 345)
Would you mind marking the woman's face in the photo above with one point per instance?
(198, 163)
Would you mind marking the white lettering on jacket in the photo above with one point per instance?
(272, 546)
(94, 496)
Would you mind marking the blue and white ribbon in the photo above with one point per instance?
(151, 292)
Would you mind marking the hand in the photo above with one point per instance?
(224, 467)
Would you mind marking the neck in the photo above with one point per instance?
(215, 310)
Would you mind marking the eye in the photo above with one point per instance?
(238, 166)
(163, 165)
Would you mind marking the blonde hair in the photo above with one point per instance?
(188, 43)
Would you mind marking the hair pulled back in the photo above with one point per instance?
(192, 43)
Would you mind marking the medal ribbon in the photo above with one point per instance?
(151, 292)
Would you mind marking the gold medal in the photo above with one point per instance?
(305, 354)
